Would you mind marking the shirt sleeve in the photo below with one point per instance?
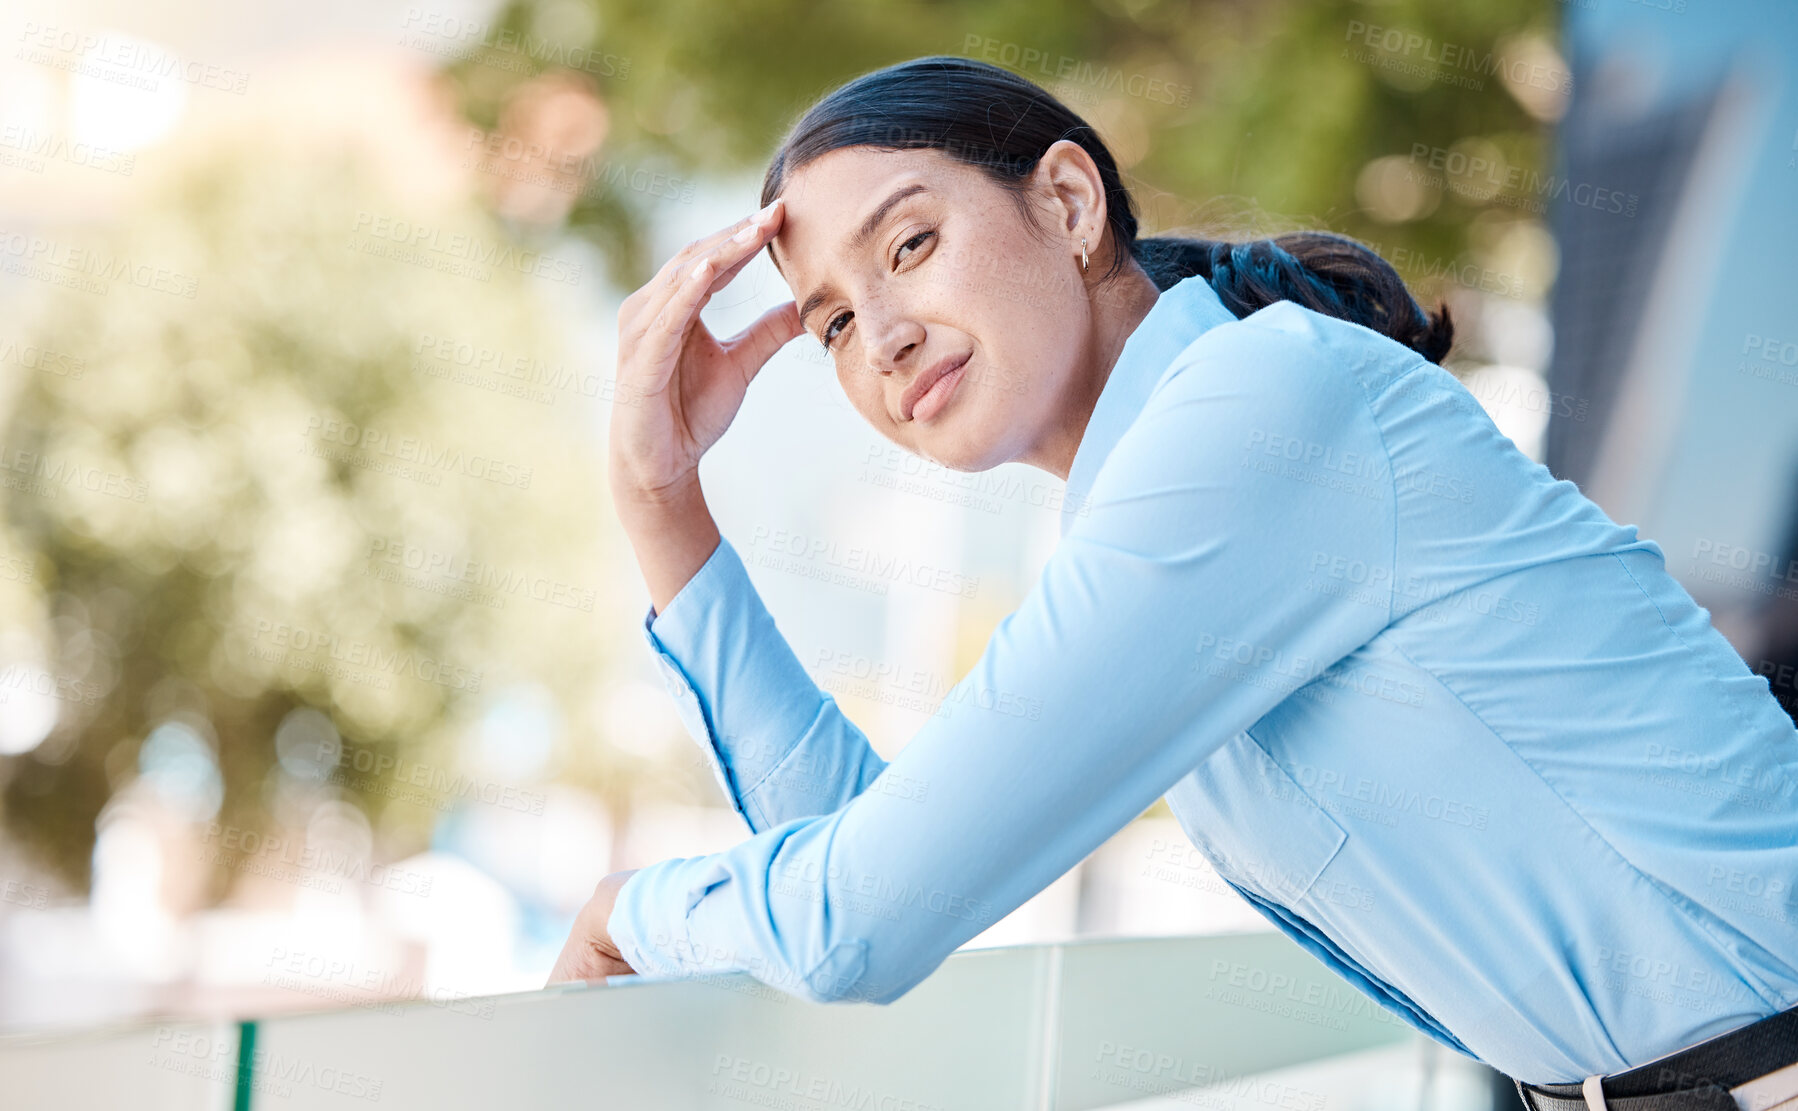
(1090, 700)
(778, 745)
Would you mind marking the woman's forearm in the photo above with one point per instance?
(671, 531)
(778, 737)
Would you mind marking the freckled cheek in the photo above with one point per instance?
(865, 396)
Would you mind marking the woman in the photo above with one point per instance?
(1431, 711)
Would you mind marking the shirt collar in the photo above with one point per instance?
(1183, 312)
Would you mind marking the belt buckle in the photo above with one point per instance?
(1769, 1091)
(1593, 1090)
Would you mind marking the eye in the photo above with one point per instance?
(830, 329)
(918, 238)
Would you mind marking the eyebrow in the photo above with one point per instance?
(860, 239)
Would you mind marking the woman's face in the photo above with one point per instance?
(947, 271)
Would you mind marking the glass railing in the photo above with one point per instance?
(1236, 1021)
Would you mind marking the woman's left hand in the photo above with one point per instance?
(589, 953)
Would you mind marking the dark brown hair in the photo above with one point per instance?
(1001, 123)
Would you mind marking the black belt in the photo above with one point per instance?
(1697, 1078)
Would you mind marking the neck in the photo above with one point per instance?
(1117, 310)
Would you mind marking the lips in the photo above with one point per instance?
(922, 383)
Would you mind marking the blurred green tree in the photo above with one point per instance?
(330, 452)
(1228, 117)
(266, 445)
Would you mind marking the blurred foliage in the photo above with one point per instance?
(204, 527)
(228, 511)
(1285, 101)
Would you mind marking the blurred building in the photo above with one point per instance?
(1676, 345)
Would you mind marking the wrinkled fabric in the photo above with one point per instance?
(1428, 709)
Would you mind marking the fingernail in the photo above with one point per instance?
(750, 231)
(699, 270)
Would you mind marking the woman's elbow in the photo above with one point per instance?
(857, 971)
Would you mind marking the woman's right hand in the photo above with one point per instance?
(678, 388)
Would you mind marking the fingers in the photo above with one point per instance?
(735, 234)
(728, 249)
(661, 342)
(745, 244)
(756, 344)
(568, 962)
(585, 959)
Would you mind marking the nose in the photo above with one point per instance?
(888, 339)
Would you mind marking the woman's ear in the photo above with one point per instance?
(1071, 179)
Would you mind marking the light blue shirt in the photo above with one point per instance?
(1431, 711)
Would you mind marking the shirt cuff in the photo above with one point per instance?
(743, 695)
(650, 924)
(701, 592)
(664, 925)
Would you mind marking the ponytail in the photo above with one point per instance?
(925, 104)
(1327, 273)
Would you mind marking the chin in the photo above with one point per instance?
(964, 453)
